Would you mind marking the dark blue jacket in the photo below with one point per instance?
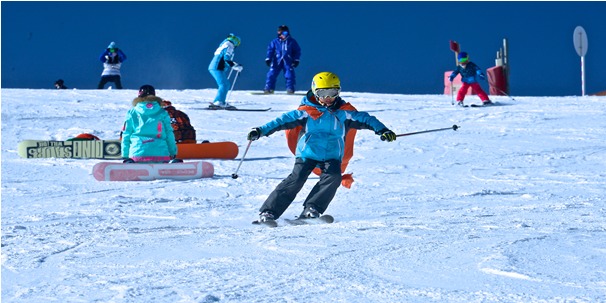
(287, 50)
(106, 57)
(468, 73)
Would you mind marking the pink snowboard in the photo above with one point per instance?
(112, 171)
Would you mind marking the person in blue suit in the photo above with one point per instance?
(325, 119)
(283, 53)
(112, 59)
(220, 66)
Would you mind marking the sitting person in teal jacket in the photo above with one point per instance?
(147, 135)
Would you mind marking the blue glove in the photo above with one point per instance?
(295, 64)
(451, 78)
(268, 62)
(482, 77)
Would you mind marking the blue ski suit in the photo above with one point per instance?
(283, 55)
(322, 144)
(219, 68)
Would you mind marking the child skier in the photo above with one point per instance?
(469, 71)
(219, 68)
(325, 118)
(147, 135)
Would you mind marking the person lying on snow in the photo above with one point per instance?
(326, 119)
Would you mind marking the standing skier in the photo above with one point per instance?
(469, 71)
(283, 53)
(219, 68)
(112, 59)
(325, 119)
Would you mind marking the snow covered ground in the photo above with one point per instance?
(509, 208)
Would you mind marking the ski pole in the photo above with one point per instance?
(235, 175)
(451, 94)
(500, 90)
(454, 127)
(504, 93)
(232, 86)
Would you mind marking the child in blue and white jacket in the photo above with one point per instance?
(219, 68)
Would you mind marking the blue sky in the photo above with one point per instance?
(388, 47)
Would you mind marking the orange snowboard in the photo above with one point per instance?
(213, 150)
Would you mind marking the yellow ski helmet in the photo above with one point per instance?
(234, 39)
(325, 80)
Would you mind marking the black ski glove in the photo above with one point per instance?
(268, 62)
(295, 64)
(387, 135)
(128, 160)
(254, 134)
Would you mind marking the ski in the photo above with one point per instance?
(484, 105)
(268, 223)
(300, 221)
(277, 93)
(233, 108)
(476, 105)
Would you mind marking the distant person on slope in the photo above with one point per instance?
(59, 84)
(283, 53)
(147, 134)
(112, 59)
(325, 119)
(469, 71)
(220, 66)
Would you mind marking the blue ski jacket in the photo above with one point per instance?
(468, 73)
(147, 134)
(224, 54)
(112, 58)
(287, 50)
(324, 129)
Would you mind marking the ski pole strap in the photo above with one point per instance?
(454, 127)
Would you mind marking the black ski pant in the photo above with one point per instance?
(115, 79)
(321, 194)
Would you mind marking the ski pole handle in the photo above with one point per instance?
(454, 127)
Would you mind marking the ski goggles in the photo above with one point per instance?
(327, 92)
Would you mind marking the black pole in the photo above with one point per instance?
(235, 175)
(454, 127)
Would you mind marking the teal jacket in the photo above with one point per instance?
(324, 128)
(147, 135)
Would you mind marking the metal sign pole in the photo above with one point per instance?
(581, 44)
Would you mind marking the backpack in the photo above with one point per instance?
(184, 132)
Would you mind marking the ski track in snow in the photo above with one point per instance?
(509, 208)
